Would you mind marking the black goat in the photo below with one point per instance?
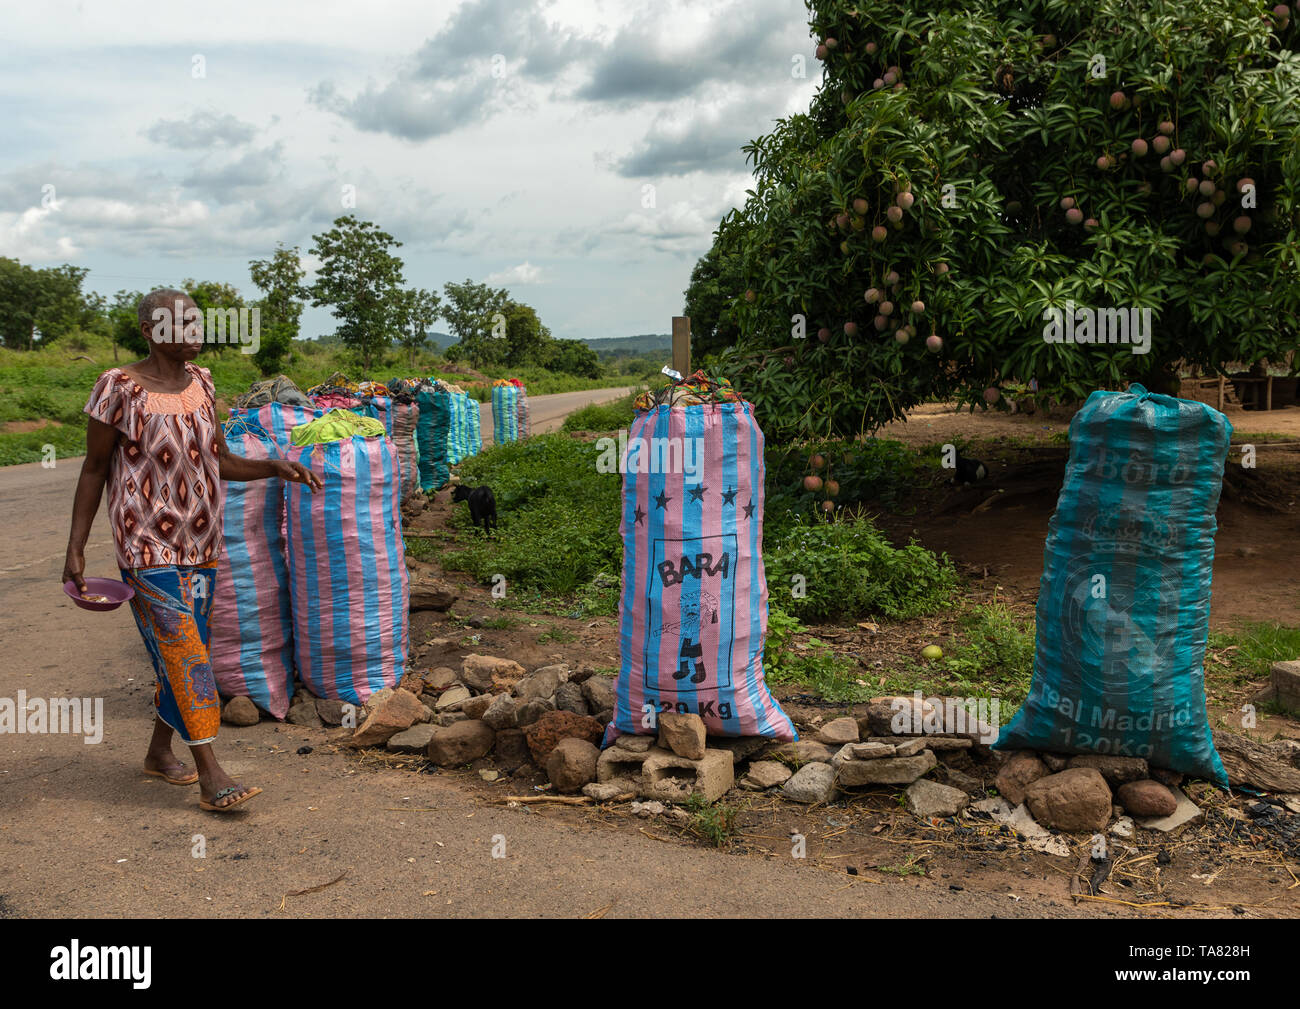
(482, 505)
(969, 471)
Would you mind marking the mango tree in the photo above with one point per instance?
(980, 186)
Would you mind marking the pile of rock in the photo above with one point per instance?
(1083, 793)
(677, 765)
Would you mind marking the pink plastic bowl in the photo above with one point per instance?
(117, 593)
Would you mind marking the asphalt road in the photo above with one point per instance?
(84, 833)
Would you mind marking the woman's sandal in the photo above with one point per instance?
(190, 780)
(229, 790)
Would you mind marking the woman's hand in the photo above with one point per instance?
(73, 567)
(296, 472)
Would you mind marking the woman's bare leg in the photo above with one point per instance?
(160, 757)
(212, 779)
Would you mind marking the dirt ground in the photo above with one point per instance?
(1226, 866)
(1000, 526)
(342, 833)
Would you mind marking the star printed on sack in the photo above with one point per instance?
(639, 514)
(749, 509)
(697, 493)
(662, 500)
(729, 496)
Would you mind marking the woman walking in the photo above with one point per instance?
(153, 440)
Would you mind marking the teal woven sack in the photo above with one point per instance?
(1124, 602)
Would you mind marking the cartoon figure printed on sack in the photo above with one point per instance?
(690, 653)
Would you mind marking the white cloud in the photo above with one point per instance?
(524, 273)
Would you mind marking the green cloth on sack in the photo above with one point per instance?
(335, 426)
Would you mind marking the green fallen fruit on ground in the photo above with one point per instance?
(932, 652)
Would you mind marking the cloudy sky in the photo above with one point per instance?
(578, 152)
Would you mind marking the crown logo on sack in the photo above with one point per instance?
(1130, 530)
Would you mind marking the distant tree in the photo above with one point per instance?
(528, 341)
(419, 309)
(280, 307)
(476, 315)
(573, 357)
(47, 302)
(360, 281)
(221, 303)
(123, 327)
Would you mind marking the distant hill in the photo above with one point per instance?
(631, 346)
(605, 347)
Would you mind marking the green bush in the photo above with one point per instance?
(848, 569)
(558, 517)
(602, 416)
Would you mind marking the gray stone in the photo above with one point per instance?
(886, 770)
(959, 779)
(304, 714)
(530, 711)
(871, 751)
(1116, 770)
(598, 691)
(541, 683)
(909, 747)
(568, 697)
(397, 711)
(1076, 799)
(765, 774)
(930, 799)
(1020, 770)
(501, 714)
(674, 778)
(683, 734)
(1186, 812)
(416, 739)
(452, 698)
(813, 782)
(803, 751)
(572, 764)
(376, 699)
(1146, 798)
(240, 710)
(947, 744)
(608, 791)
(839, 731)
(439, 679)
(332, 710)
(634, 744)
(476, 707)
(490, 672)
(454, 745)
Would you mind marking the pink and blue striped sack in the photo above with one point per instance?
(279, 419)
(347, 569)
(399, 420)
(693, 613)
(251, 626)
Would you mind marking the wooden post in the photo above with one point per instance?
(1220, 392)
(682, 345)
